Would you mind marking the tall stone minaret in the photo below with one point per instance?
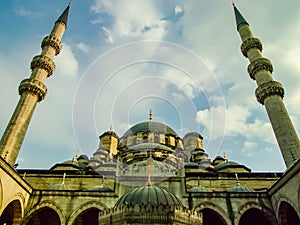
(269, 92)
(32, 91)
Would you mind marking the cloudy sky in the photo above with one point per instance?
(121, 58)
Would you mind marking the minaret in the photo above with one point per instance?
(32, 91)
(269, 92)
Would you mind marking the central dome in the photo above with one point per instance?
(149, 195)
(150, 126)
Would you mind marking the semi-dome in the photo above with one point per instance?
(149, 195)
(150, 126)
(153, 146)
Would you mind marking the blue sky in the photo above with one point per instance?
(121, 58)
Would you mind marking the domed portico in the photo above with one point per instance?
(149, 205)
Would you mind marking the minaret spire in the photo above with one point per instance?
(32, 90)
(64, 16)
(239, 19)
(269, 92)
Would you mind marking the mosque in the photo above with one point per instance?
(149, 174)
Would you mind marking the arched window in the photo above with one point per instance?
(134, 141)
(12, 214)
(44, 216)
(287, 214)
(145, 138)
(254, 216)
(89, 216)
(166, 140)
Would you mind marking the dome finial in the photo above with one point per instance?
(237, 179)
(150, 115)
(199, 184)
(64, 178)
(225, 157)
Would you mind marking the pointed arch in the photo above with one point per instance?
(212, 214)
(253, 213)
(287, 214)
(45, 209)
(44, 216)
(12, 214)
(90, 208)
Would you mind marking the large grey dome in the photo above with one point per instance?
(150, 126)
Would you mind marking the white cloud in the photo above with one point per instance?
(236, 123)
(25, 12)
(178, 9)
(184, 82)
(66, 63)
(130, 21)
(248, 148)
(83, 47)
(108, 35)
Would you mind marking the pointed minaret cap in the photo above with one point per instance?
(64, 16)
(239, 19)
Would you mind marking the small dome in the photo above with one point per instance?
(150, 126)
(71, 162)
(193, 133)
(149, 195)
(240, 188)
(83, 157)
(110, 133)
(66, 165)
(101, 188)
(224, 164)
(56, 187)
(191, 164)
(198, 151)
(199, 189)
